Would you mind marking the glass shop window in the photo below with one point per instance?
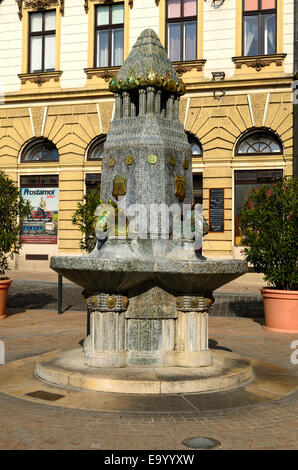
(109, 35)
(92, 180)
(259, 27)
(198, 188)
(42, 41)
(181, 27)
(245, 182)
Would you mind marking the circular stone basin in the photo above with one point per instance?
(122, 275)
(68, 370)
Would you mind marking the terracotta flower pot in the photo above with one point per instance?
(4, 286)
(281, 310)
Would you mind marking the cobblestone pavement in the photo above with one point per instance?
(28, 425)
(44, 295)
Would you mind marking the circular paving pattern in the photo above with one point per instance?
(18, 380)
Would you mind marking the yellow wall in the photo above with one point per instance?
(218, 124)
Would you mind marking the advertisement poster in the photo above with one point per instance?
(42, 224)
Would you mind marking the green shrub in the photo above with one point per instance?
(83, 218)
(269, 228)
(13, 209)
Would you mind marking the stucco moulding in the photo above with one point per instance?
(87, 3)
(259, 62)
(39, 5)
(40, 78)
(105, 73)
(184, 67)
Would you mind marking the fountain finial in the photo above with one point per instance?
(148, 65)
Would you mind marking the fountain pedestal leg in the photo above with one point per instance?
(152, 329)
(106, 344)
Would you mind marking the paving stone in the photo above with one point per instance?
(30, 425)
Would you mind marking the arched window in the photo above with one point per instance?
(259, 142)
(95, 150)
(197, 151)
(195, 144)
(40, 150)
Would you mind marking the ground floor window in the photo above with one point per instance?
(245, 182)
(92, 180)
(198, 188)
(41, 227)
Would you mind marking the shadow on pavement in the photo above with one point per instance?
(14, 311)
(250, 309)
(213, 344)
(30, 301)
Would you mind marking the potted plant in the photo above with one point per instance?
(269, 225)
(13, 209)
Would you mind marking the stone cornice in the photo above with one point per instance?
(39, 5)
(259, 62)
(102, 90)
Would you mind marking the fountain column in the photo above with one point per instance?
(148, 298)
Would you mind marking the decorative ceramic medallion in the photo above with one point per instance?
(180, 190)
(129, 160)
(111, 301)
(152, 159)
(186, 164)
(172, 161)
(119, 186)
(112, 162)
(209, 302)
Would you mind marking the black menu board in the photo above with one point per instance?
(217, 210)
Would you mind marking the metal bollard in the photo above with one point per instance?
(60, 286)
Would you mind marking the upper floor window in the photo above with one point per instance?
(259, 27)
(259, 142)
(40, 150)
(95, 150)
(42, 41)
(181, 17)
(109, 33)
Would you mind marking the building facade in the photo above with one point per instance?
(236, 58)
